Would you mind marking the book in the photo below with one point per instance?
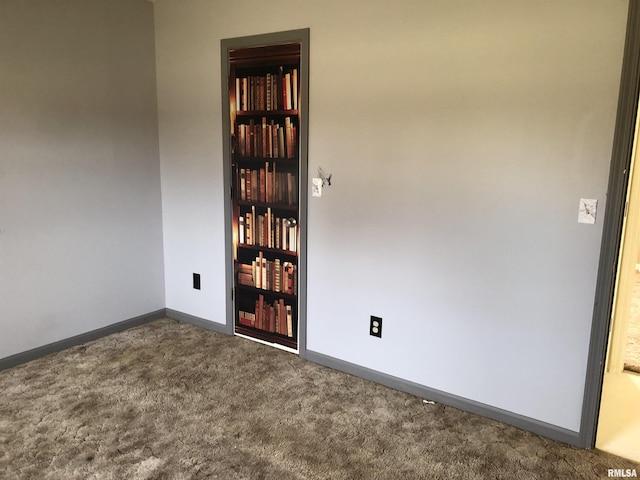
(251, 146)
(269, 229)
(241, 237)
(281, 150)
(274, 140)
(250, 226)
(263, 137)
(260, 312)
(261, 91)
(292, 238)
(259, 277)
(246, 318)
(260, 239)
(254, 273)
(277, 274)
(288, 132)
(289, 321)
(245, 87)
(243, 191)
(287, 93)
(255, 187)
(294, 86)
(237, 94)
(245, 279)
(241, 139)
(268, 92)
(247, 229)
(267, 183)
(282, 318)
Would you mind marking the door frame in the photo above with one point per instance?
(627, 264)
(612, 228)
(300, 36)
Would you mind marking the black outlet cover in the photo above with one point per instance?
(375, 326)
(196, 281)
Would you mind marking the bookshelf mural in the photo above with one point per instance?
(264, 90)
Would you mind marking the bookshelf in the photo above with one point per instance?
(265, 133)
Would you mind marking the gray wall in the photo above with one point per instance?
(80, 206)
(461, 136)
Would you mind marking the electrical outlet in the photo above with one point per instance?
(196, 281)
(375, 327)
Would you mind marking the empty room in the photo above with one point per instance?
(332, 240)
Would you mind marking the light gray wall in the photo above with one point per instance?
(460, 136)
(80, 203)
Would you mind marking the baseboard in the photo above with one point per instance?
(54, 347)
(510, 418)
(525, 423)
(199, 322)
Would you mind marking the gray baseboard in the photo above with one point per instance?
(199, 322)
(54, 347)
(525, 423)
(510, 418)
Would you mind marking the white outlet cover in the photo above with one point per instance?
(316, 187)
(587, 210)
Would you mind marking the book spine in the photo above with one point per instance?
(245, 87)
(253, 225)
(246, 318)
(278, 91)
(274, 139)
(278, 274)
(263, 138)
(288, 132)
(259, 270)
(262, 181)
(287, 93)
(281, 151)
(294, 85)
(255, 188)
(289, 321)
(243, 191)
(268, 94)
(269, 223)
(238, 95)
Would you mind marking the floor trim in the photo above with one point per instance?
(525, 423)
(199, 322)
(519, 421)
(35, 353)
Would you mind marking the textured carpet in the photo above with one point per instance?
(168, 400)
(632, 349)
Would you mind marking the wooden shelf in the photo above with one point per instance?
(267, 336)
(273, 206)
(292, 161)
(277, 251)
(267, 113)
(266, 293)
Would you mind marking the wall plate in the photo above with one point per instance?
(316, 187)
(587, 210)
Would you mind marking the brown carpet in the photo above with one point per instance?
(168, 400)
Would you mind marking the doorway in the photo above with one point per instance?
(265, 123)
(619, 420)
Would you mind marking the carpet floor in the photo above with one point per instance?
(168, 400)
